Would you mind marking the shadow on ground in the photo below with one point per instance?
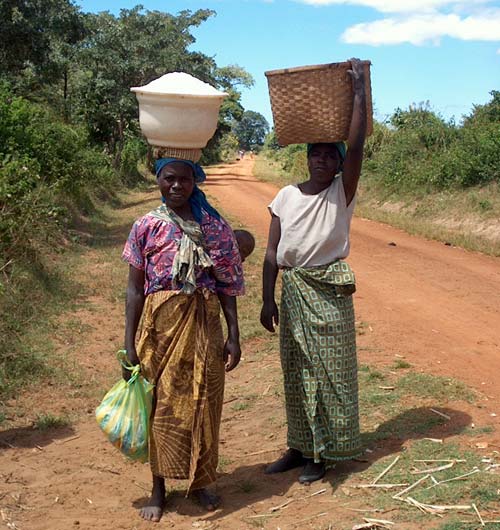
(247, 485)
(29, 437)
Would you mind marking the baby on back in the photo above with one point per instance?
(246, 243)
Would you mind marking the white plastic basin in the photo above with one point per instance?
(179, 120)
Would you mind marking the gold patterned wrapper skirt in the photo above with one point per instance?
(181, 352)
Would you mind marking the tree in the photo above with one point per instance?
(488, 113)
(251, 130)
(36, 35)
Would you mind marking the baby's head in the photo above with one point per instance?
(246, 243)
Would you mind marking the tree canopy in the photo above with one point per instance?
(251, 130)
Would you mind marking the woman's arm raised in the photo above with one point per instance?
(357, 132)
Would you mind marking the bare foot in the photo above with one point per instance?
(154, 509)
(208, 500)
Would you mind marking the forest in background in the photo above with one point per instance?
(70, 138)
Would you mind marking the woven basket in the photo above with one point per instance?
(313, 104)
(176, 152)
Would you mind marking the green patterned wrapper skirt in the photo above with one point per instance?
(318, 357)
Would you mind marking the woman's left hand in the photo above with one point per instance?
(357, 73)
(232, 354)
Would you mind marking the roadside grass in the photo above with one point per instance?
(45, 422)
(30, 299)
(269, 170)
(41, 325)
(402, 408)
(463, 218)
(480, 487)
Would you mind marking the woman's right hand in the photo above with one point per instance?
(134, 360)
(269, 315)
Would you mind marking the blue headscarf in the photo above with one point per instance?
(199, 174)
(198, 199)
(340, 146)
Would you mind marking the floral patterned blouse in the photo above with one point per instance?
(152, 244)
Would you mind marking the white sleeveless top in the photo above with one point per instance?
(314, 228)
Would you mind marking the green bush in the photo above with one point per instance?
(44, 165)
(134, 151)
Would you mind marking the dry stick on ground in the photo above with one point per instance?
(387, 469)
(460, 477)
(261, 452)
(322, 514)
(370, 526)
(409, 488)
(378, 521)
(261, 516)
(381, 486)
(436, 509)
(478, 514)
(485, 522)
(66, 440)
(266, 390)
(141, 486)
(433, 470)
(442, 414)
(442, 460)
(285, 504)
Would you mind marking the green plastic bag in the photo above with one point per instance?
(124, 413)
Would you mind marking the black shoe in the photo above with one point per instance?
(312, 471)
(290, 460)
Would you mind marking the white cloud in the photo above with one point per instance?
(400, 6)
(421, 29)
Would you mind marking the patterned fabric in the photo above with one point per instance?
(318, 357)
(153, 244)
(191, 254)
(180, 349)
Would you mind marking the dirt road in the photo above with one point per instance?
(436, 306)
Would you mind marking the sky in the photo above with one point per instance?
(446, 52)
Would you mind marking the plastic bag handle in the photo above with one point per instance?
(121, 355)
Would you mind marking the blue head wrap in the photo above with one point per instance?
(340, 146)
(198, 199)
(199, 174)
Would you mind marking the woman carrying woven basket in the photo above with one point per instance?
(184, 265)
(308, 241)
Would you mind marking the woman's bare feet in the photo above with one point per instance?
(208, 500)
(154, 509)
